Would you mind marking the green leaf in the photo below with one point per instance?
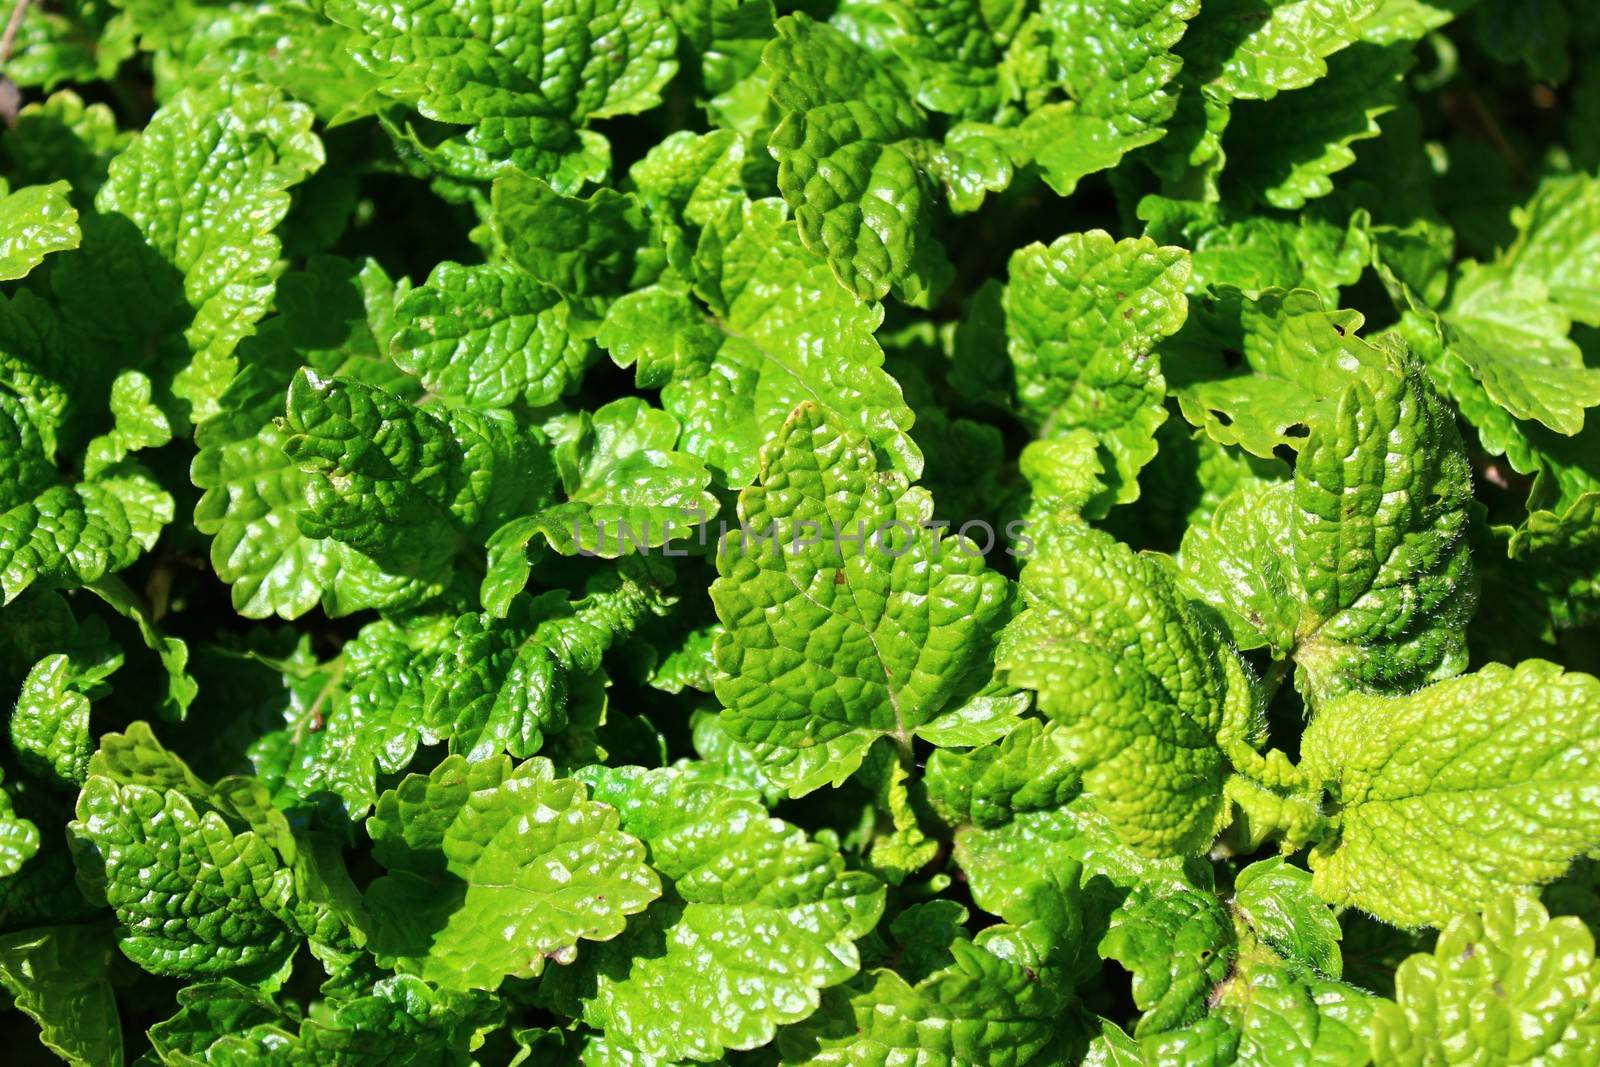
(1003, 996)
(689, 180)
(982, 1008)
(1247, 50)
(1255, 49)
(902, 847)
(1266, 1012)
(288, 46)
(581, 248)
(205, 882)
(496, 688)
(1290, 149)
(688, 665)
(627, 488)
(724, 36)
(380, 464)
(1266, 405)
(974, 160)
(19, 838)
(1068, 145)
(353, 718)
(35, 222)
(81, 43)
(486, 337)
(1454, 793)
(492, 870)
(156, 24)
(1115, 64)
(1559, 550)
(844, 164)
(1276, 899)
(735, 363)
(1191, 155)
(1145, 687)
(854, 162)
(1188, 481)
(58, 976)
(504, 684)
(41, 623)
(1500, 434)
(73, 533)
(1410, 20)
(826, 648)
(1115, 60)
(1242, 564)
(1179, 947)
(1114, 1048)
(1006, 864)
(253, 492)
(137, 424)
(400, 1019)
(730, 758)
(1029, 769)
(1360, 570)
(754, 917)
(50, 725)
(1511, 983)
(188, 215)
(951, 52)
(1283, 1012)
(1419, 256)
(1067, 479)
(1502, 324)
(1257, 252)
(42, 372)
(1558, 243)
(223, 1016)
(1083, 316)
(525, 82)
(79, 533)
(855, 264)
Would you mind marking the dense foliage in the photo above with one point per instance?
(997, 532)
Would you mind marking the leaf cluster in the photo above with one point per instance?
(1010, 533)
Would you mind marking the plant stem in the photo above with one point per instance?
(9, 41)
(1275, 676)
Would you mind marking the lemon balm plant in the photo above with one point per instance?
(999, 532)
